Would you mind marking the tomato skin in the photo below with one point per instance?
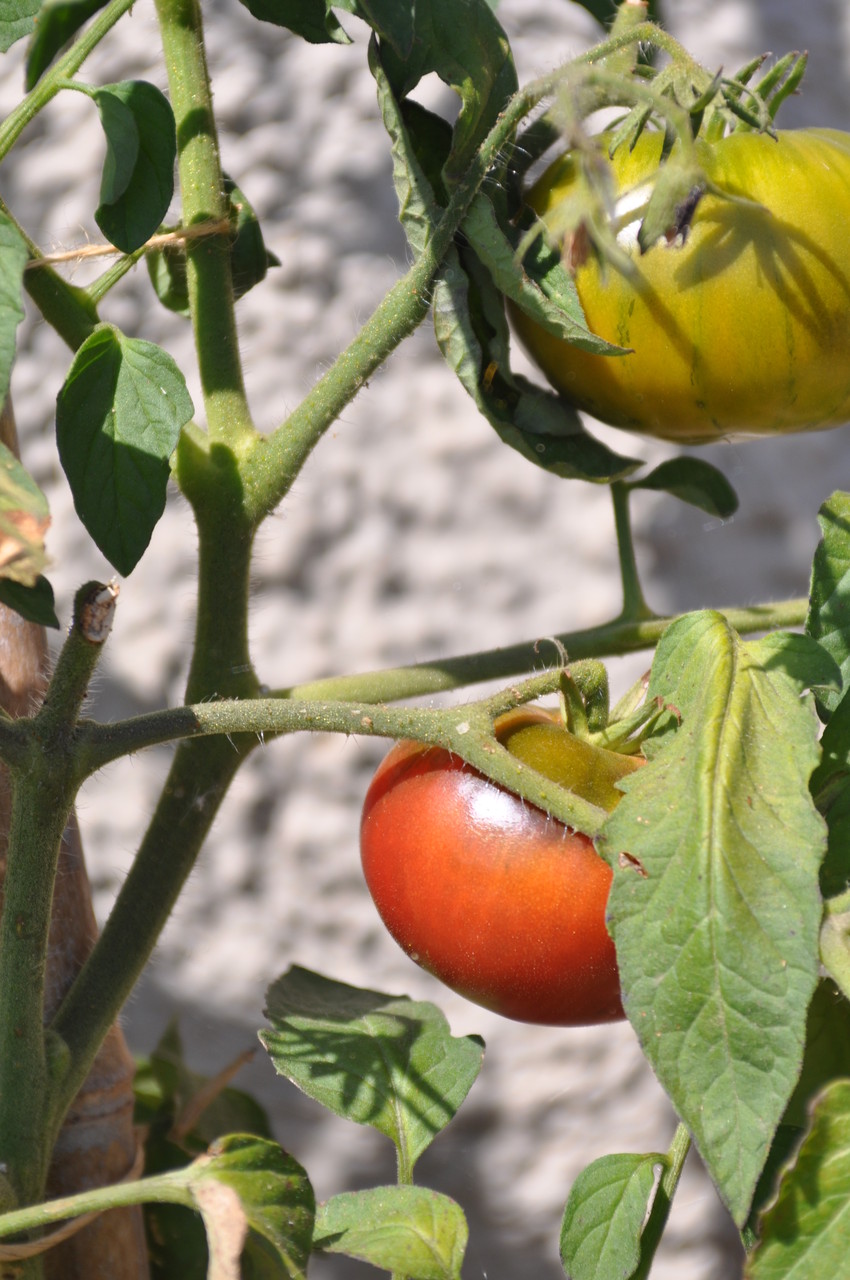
(500, 902)
(742, 330)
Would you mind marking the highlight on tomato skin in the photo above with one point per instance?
(499, 901)
(742, 327)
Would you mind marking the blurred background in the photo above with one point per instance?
(412, 534)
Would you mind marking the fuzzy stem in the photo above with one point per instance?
(208, 273)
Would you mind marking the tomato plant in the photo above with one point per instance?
(737, 322)
(494, 897)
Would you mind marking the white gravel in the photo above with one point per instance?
(412, 534)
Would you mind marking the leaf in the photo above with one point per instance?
(58, 21)
(13, 259)
(605, 1214)
(715, 906)
(693, 481)
(462, 42)
(167, 271)
(827, 1058)
(245, 1182)
(17, 19)
(539, 285)
(315, 21)
(828, 620)
(138, 173)
(34, 603)
(471, 330)
(24, 520)
(806, 1231)
(830, 785)
(410, 1231)
(418, 208)
(249, 257)
(118, 418)
(377, 1059)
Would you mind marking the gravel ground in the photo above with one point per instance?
(412, 534)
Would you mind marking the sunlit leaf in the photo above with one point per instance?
(410, 1231)
(715, 907)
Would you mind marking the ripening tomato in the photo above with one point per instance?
(502, 903)
(742, 328)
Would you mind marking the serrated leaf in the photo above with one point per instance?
(34, 603)
(605, 1214)
(471, 331)
(13, 259)
(693, 481)
(410, 1231)
(377, 1059)
(58, 21)
(539, 285)
(715, 906)
(828, 619)
(118, 418)
(806, 1231)
(138, 172)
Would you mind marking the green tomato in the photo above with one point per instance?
(740, 328)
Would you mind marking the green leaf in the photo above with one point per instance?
(313, 20)
(410, 1231)
(830, 785)
(58, 21)
(829, 595)
(13, 259)
(806, 1231)
(249, 257)
(469, 322)
(24, 520)
(377, 1059)
(138, 172)
(118, 418)
(605, 1214)
(34, 603)
(418, 208)
(246, 1182)
(827, 1058)
(539, 285)
(462, 42)
(17, 19)
(694, 481)
(167, 271)
(715, 906)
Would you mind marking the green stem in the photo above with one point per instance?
(275, 461)
(56, 77)
(675, 1163)
(208, 273)
(634, 603)
(164, 1188)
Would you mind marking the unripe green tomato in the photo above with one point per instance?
(743, 328)
(502, 903)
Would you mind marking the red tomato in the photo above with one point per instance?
(500, 902)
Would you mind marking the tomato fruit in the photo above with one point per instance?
(743, 328)
(502, 903)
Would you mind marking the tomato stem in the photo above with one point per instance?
(635, 607)
(672, 1172)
